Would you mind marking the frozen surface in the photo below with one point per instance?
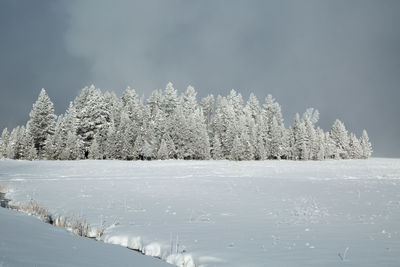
(26, 241)
(271, 213)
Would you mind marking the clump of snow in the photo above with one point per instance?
(156, 249)
(116, 240)
(153, 249)
(184, 260)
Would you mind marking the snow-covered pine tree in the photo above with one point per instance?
(179, 130)
(147, 150)
(73, 145)
(115, 106)
(253, 107)
(72, 150)
(311, 114)
(237, 150)
(42, 121)
(133, 108)
(320, 144)
(294, 138)
(94, 150)
(4, 143)
(285, 144)
(259, 151)
(170, 99)
(365, 145)
(275, 140)
(207, 105)
(302, 142)
(92, 117)
(137, 152)
(113, 143)
(198, 132)
(355, 149)
(236, 101)
(250, 126)
(248, 149)
(224, 125)
(189, 101)
(340, 138)
(311, 139)
(216, 152)
(55, 143)
(271, 109)
(162, 151)
(154, 103)
(17, 145)
(127, 134)
(31, 153)
(330, 147)
(170, 146)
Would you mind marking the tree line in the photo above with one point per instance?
(171, 126)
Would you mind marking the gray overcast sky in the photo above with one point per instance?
(341, 57)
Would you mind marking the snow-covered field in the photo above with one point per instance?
(221, 213)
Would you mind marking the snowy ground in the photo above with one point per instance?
(26, 241)
(271, 213)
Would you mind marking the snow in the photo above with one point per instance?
(26, 241)
(224, 213)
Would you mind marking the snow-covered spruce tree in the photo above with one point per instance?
(236, 101)
(114, 105)
(42, 122)
(4, 143)
(259, 151)
(195, 136)
(285, 144)
(55, 143)
(72, 144)
(340, 139)
(320, 145)
(355, 149)
(237, 150)
(137, 151)
(295, 138)
(250, 128)
(162, 151)
(311, 139)
(248, 149)
(271, 110)
(94, 150)
(73, 147)
(198, 136)
(225, 125)
(170, 99)
(127, 134)
(17, 145)
(366, 146)
(154, 103)
(302, 142)
(189, 101)
(93, 117)
(275, 140)
(216, 152)
(253, 107)
(330, 147)
(207, 105)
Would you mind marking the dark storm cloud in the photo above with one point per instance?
(342, 57)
